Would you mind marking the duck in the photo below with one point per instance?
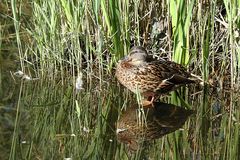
(141, 73)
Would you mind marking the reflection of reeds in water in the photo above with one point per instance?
(158, 121)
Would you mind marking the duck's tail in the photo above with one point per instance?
(198, 79)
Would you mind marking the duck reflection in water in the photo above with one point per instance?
(137, 125)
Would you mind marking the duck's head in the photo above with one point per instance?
(137, 56)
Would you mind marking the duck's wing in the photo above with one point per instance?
(167, 70)
(164, 75)
(178, 74)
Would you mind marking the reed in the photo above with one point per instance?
(70, 39)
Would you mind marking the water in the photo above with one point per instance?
(50, 119)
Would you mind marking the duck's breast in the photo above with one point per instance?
(127, 76)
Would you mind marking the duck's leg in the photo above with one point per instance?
(148, 104)
(148, 99)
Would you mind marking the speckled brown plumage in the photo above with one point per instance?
(142, 74)
(139, 125)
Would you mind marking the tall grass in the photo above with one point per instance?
(181, 13)
(70, 38)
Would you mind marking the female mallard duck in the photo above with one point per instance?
(142, 74)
